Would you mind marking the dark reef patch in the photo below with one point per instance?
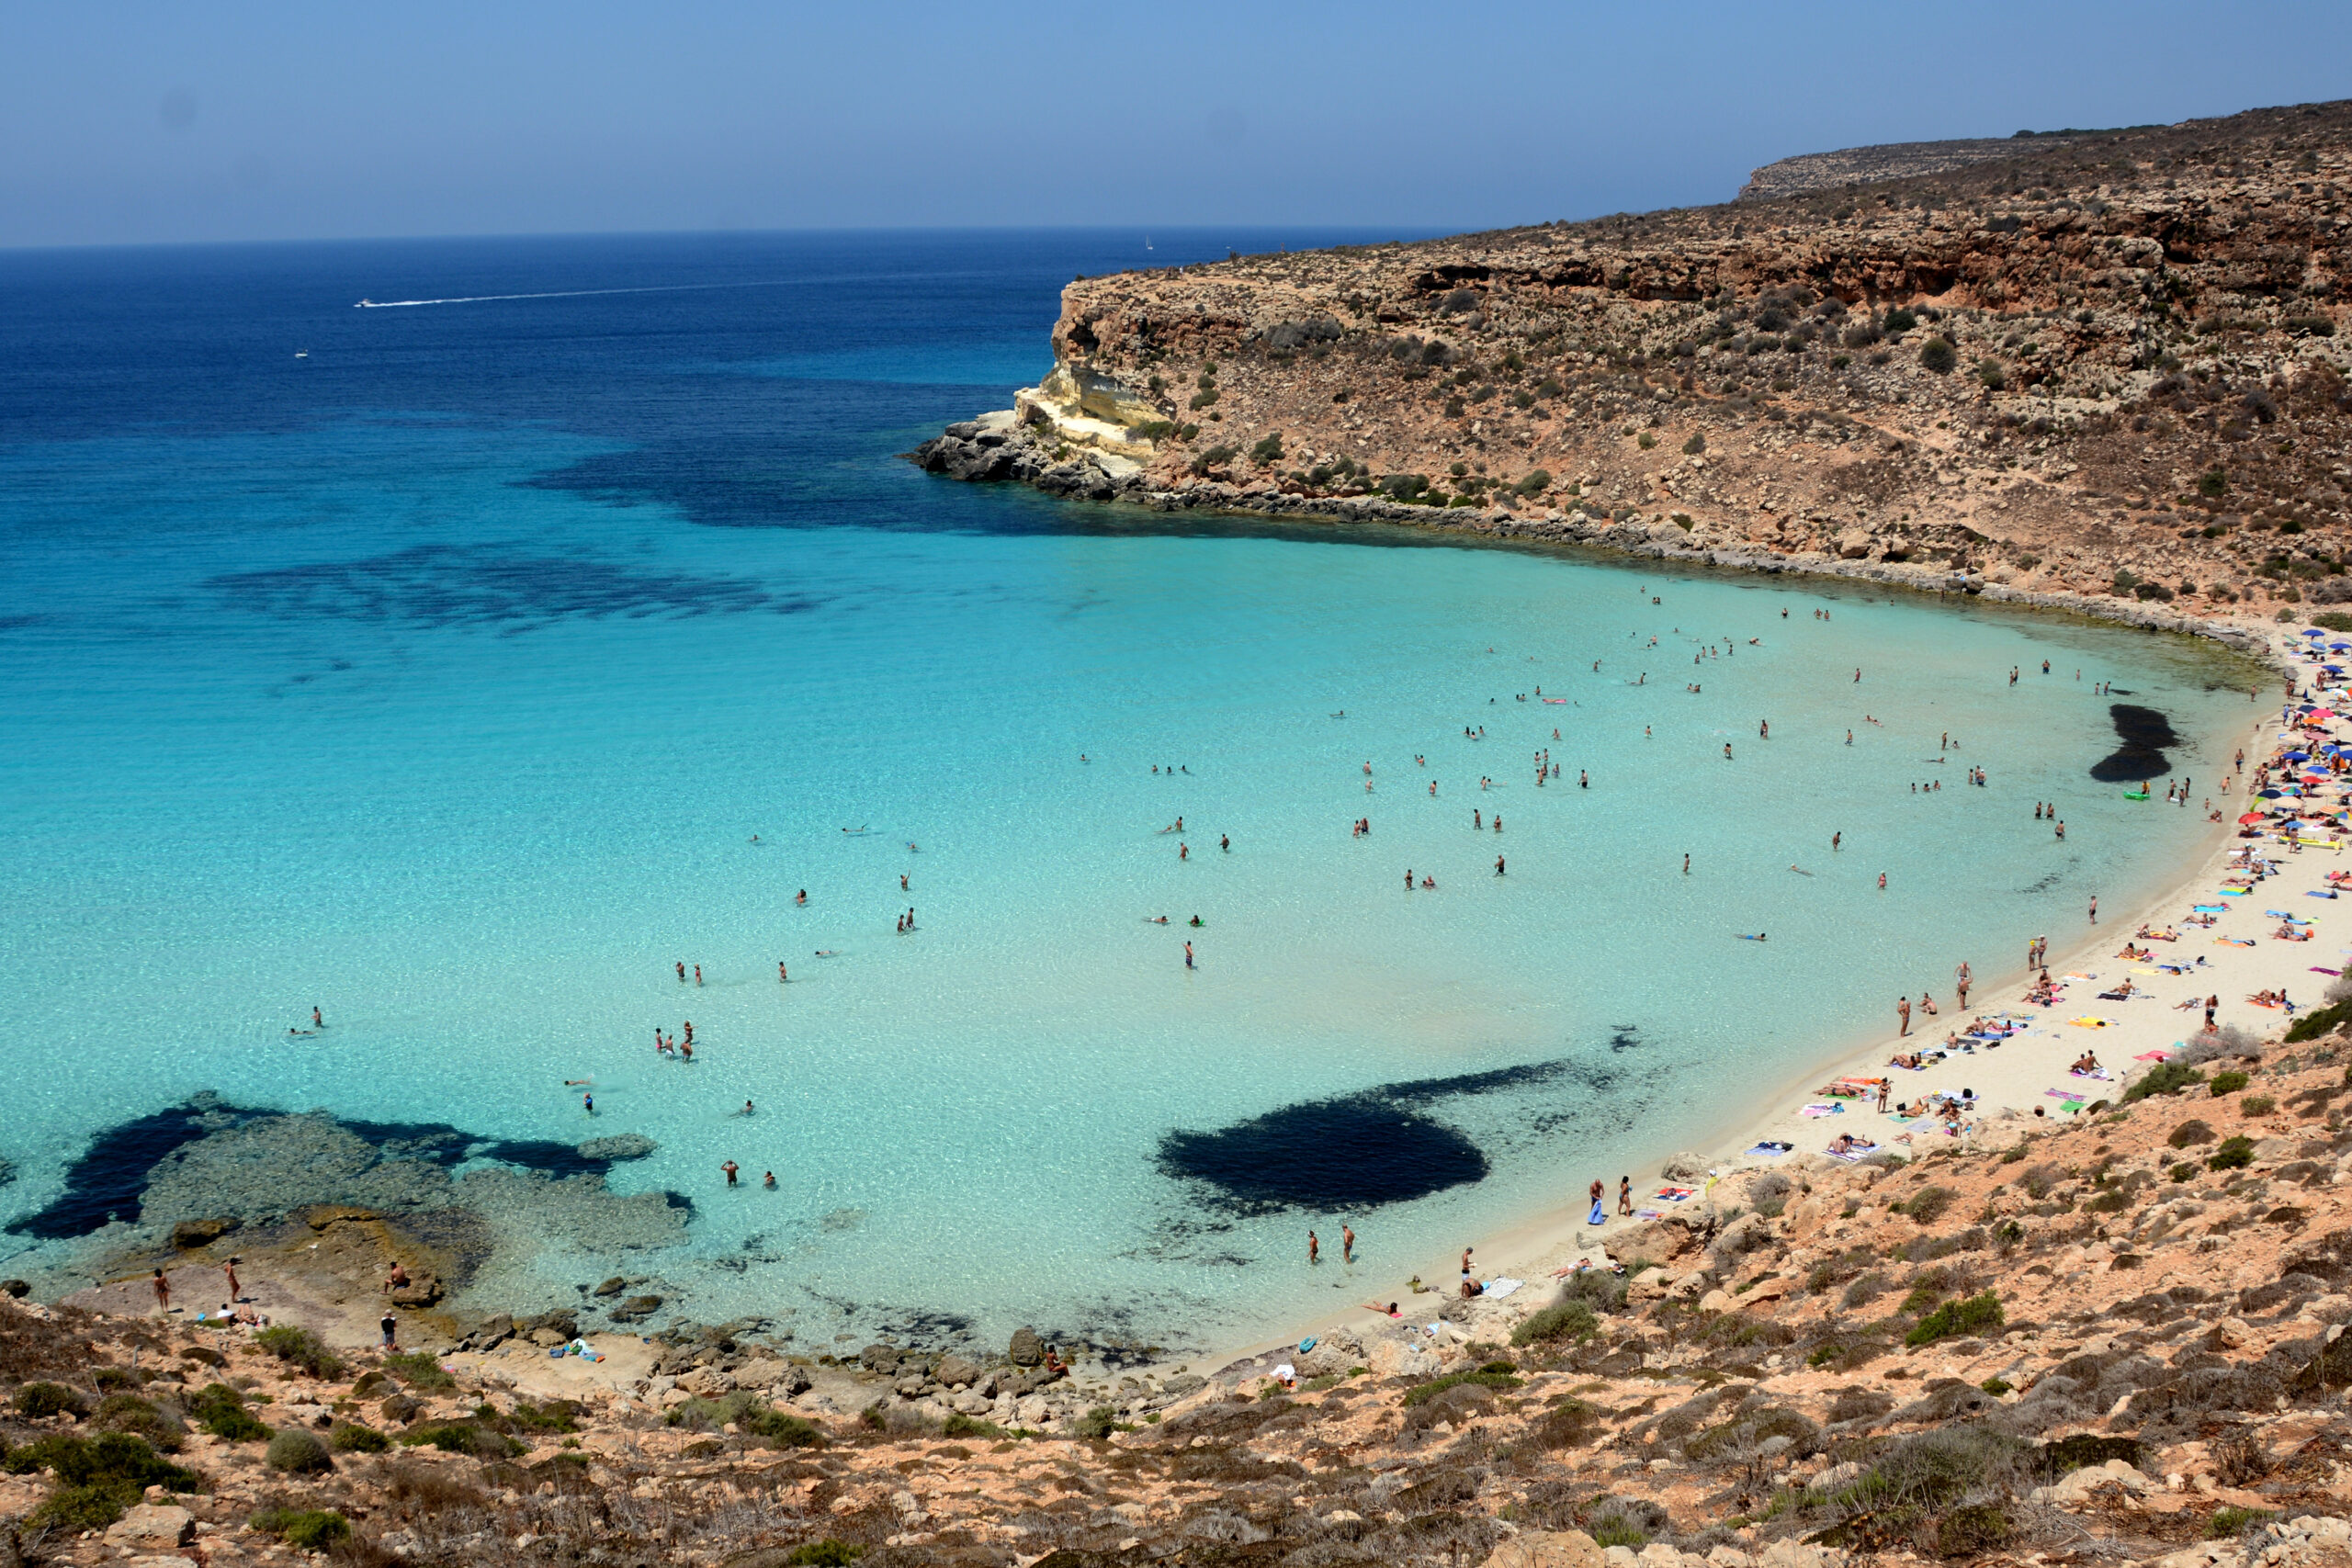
(2145, 735)
(1377, 1146)
(473, 585)
(109, 1179)
(1349, 1153)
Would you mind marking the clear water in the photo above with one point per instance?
(442, 679)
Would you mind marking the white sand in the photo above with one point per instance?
(2011, 1080)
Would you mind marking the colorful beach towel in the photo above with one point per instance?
(2087, 1022)
(1820, 1109)
(2062, 1094)
(2232, 941)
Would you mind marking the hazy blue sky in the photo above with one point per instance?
(132, 121)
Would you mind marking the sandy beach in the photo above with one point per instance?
(2023, 1081)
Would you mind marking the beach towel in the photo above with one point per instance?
(1676, 1195)
(2153, 1056)
(2317, 970)
(2087, 1022)
(1598, 1215)
(2232, 941)
(1649, 1214)
(1503, 1287)
(1770, 1151)
(1823, 1111)
(2062, 1094)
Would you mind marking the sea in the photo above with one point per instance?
(464, 665)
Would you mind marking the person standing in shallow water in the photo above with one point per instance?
(730, 1167)
(1903, 1013)
(1347, 1244)
(1314, 1249)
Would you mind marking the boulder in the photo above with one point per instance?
(152, 1527)
(1027, 1349)
(548, 1338)
(1547, 1548)
(707, 1383)
(612, 1287)
(788, 1382)
(190, 1234)
(564, 1323)
(880, 1357)
(637, 1309)
(1684, 1167)
(620, 1145)
(422, 1290)
(954, 1370)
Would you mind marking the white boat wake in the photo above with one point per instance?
(560, 294)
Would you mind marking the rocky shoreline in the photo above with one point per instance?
(2118, 1340)
(995, 448)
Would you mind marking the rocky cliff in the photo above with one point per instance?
(2105, 366)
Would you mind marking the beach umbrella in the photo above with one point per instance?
(2297, 756)
(2268, 793)
(2249, 816)
(2322, 712)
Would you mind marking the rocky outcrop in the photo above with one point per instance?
(2101, 371)
(1811, 172)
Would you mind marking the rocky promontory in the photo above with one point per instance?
(2102, 370)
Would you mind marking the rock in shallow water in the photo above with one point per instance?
(620, 1145)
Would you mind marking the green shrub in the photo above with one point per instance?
(2327, 1020)
(1535, 481)
(350, 1438)
(1269, 450)
(2257, 1105)
(1204, 398)
(220, 1410)
(1646, 441)
(1928, 1205)
(301, 1346)
(1972, 1315)
(2165, 1077)
(1156, 429)
(39, 1401)
(463, 1438)
(2228, 1083)
(1989, 372)
(1216, 457)
(89, 1507)
(1564, 1319)
(1097, 1423)
(2213, 483)
(781, 1431)
(962, 1426)
(2234, 1520)
(2235, 1154)
(1995, 1386)
(2185, 1171)
(1937, 356)
(129, 1413)
(1968, 1531)
(310, 1530)
(418, 1369)
(1696, 444)
(826, 1554)
(1423, 1392)
(297, 1452)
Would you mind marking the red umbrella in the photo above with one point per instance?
(2249, 816)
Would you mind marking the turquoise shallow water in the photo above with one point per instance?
(449, 699)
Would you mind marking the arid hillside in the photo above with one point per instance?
(2109, 365)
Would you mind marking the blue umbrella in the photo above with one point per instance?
(2270, 794)
(2298, 756)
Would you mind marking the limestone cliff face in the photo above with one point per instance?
(2111, 364)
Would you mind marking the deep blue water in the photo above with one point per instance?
(463, 674)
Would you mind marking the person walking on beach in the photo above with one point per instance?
(1599, 1193)
(230, 1269)
(1347, 1244)
(1902, 1012)
(1314, 1247)
(730, 1169)
(164, 1286)
(2211, 1002)
(392, 1330)
(1625, 1195)
(1883, 1090)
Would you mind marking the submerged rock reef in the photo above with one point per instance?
(2102, 370)
(2115, 1340)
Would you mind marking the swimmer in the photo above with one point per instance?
(768, 1180)
(781, 977)
(1798, 869)
(746, 1110)
(1756, 937)
(803, 899)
